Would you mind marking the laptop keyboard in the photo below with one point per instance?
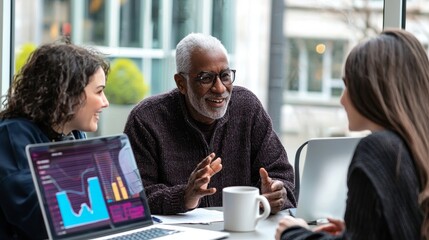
(147, 234)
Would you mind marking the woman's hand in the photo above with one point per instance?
(334, 227)
(288, 222)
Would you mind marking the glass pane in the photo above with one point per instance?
(95, 22)
(315, 51)
(336, 92)
(338, 55)
(292, 65)
(131, 24)
(184, 19)
(156, 24)
(53, 21)
(126, 83)
(161, 80)
(56, 20)
(223, 22)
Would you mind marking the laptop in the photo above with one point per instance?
(90, 189)
(323, 186)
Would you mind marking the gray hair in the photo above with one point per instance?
(195, 41)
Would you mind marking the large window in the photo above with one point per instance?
(145, 32)
(318, 35)
(148, 30)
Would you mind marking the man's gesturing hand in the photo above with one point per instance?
(273, 190)
(199, 180)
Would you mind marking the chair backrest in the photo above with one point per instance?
(297, 169)
(321, 189)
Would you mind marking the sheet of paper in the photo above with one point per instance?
(196, 216)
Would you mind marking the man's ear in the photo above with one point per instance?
(180, 83)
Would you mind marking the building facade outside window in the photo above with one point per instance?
(314, 68)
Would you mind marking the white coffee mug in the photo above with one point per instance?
(241, 208)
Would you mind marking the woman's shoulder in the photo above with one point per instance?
(16, 133)
(18, 123)
(21, 128)
(380, 149)
(382, 140)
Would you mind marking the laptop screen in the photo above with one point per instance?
(87, 185)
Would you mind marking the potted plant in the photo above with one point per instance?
(125, 87)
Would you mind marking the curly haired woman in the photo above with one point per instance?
(58, 95)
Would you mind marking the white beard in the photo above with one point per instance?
(202, 108)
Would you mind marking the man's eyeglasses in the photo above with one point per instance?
(208, 79)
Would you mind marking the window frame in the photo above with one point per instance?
(6, 44)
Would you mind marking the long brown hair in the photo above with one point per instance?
(393, 91)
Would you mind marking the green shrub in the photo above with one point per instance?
(125, 83)
(23, 54)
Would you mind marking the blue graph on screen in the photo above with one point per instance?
(97, 212)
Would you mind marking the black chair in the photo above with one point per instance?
(296, 166)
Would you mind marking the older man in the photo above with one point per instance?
(195, 140)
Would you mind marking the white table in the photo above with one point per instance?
(265, 229)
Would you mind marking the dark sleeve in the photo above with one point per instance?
(383, 190)
(20, 205)
(363, 216)
(305, 234)
(382, 198)
(162, 199)
(270, 154)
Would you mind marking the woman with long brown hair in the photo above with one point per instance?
(387, 92)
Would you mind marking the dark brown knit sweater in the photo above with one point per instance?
(168, 146)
